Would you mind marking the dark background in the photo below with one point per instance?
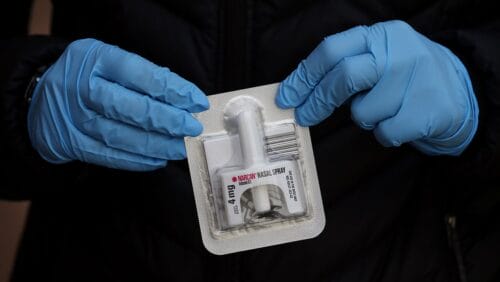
(13, 214)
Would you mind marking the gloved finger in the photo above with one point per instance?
(439, 122)
(103, 155)
(402, 128)
(350, 76)
(119, 103)
(134, 140)
(141, 75)
(295, 89)
(384, 100)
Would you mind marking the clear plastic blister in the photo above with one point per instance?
(253, 174)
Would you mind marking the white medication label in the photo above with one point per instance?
(283, 175)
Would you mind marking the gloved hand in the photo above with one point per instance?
(103, 105)
(409, 88)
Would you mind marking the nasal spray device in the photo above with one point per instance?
(257, 174)
(253, 174)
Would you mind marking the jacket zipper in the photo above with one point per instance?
(454, 244)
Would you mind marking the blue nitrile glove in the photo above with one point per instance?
(409, 88)
(102, 105)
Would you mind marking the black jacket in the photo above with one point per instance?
(389, 210)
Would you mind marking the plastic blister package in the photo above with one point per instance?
(253, 174)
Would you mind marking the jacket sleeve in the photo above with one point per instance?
(475, 187)
(477, 47)
(471, 30)
(22, 168)
(472, 181)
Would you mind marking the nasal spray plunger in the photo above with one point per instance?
(246, 112)
(243, 118)
(252, 149)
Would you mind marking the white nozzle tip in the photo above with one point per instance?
(261, 200)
